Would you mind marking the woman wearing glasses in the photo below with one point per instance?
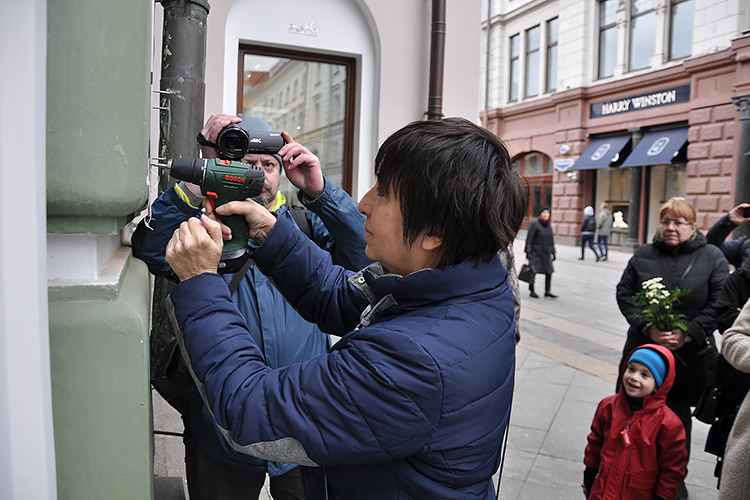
(679, 255)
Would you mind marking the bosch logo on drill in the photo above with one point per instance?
(234, 178)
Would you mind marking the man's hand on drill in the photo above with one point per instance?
(195, 248)
(259, 220)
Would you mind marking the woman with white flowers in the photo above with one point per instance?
(679, 254)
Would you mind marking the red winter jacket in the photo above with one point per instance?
(654, 463)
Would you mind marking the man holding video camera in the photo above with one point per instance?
(415, 398)
(736, 250)
(214, 470)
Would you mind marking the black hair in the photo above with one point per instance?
(454, 180)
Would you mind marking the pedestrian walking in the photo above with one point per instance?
(588, 230)
(603, 229)
(540, 251)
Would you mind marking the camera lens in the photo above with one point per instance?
(233, 142)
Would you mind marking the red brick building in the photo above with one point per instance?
(701, 108)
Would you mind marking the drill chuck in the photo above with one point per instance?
(192, 170)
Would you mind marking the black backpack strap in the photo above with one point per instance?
(300, 217)
(237, 278)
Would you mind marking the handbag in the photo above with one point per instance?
(708, 404)
(526, 273)
(724, 394)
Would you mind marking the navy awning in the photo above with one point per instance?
(658, 148)
(604, 152)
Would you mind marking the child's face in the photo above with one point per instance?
(638, 380)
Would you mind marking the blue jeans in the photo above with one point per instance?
(605, 240)
(590, 239)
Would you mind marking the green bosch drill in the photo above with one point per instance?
(222, 181)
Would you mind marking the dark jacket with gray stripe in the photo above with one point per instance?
(411, 403)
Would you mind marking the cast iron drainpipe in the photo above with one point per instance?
(437, 57)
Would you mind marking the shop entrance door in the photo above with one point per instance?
(536, 169)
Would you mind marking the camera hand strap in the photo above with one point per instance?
(205, 142)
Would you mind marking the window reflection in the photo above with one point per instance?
(642, 34)
(551, 55)
(515, 42)
(681, 36)
(607, 37)
(305, 98)
(532, 62)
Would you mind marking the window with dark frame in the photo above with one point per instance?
(680, 29)
(515, 52)
(536, 169)
(532, 62)
(318, 113)
(551, 55)
(607, 37)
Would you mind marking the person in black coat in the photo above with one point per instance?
(735, 250)
(681, 256)
(540, 251)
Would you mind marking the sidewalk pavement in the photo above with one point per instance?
(566, 363)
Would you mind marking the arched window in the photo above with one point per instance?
(536, 169)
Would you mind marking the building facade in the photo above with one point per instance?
(626, 102)
(79, 131)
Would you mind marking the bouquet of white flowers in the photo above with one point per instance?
(656, 303)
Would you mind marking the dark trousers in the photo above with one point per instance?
(605, 240)
(590, 239)
(547, 283)
(209, 479)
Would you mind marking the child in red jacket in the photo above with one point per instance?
(636, 449)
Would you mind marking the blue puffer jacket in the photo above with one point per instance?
(411, 403)
(284, 337)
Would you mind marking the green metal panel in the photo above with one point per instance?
(98, 106)
(101, 395)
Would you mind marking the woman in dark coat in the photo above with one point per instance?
(680, 255)
(540, 251)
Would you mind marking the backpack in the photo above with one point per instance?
(590, 225)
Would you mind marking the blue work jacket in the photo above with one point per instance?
(283, 336)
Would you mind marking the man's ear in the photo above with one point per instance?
(431, 242)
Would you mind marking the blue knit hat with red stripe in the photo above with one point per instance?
(653, 361)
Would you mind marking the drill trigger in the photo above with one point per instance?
(211, 198)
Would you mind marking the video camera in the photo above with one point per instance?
(234, 142)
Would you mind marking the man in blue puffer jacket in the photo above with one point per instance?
(214, 470)
(413, 401)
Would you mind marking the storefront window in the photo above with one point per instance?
(311, 96)
(536, 168)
